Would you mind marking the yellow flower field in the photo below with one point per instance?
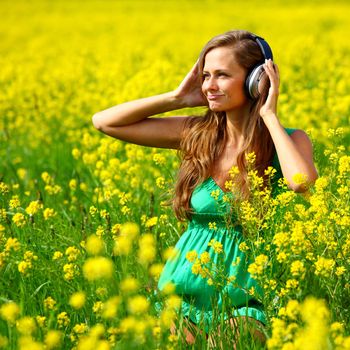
(84, 225)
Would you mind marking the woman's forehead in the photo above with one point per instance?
(220, 58)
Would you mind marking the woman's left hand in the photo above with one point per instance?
(270, 106)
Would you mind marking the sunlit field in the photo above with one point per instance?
(84, 225)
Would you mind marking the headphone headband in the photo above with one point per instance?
(264, 46)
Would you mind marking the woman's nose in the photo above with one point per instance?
(210, 83)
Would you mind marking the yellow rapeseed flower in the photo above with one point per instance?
(94, 245)
(168, 288)
(127, 324)
(122, 245)
(70, 270)
(324, 266)
(129, 285)
(26, 325)
(138, 304)
(191, 256)
(212, 226)
(159, 159)
(80, 328)
(160, 182)
(196, 267)
(340, 270)
(97, 307)
(57, 255)
(147, 249)
(76, 153)
(292, 309)
(216, 245)
(130, 230)
(50, 303)
(171, 253)
(315, 333)
(204, 258)
(297, 268)
(28, 343)
(292, 284)
(233, 171)
(14, 202)
(49, 213)
(46, 177)
(73, 184)
(155, 270)
(173, 302)
(250, 158)
(24, 267)
(40, 320)
(110, 307)
(3, 342)
(215, 194)
(96, 268)
(3, 188)
(321, 183)
(77, 300)
(9, 312)
(33, 207)
(53, 339)
(19, 219)
(152, 221)
(243, 247)
(257, 267)
(300, 179)
(72, 253)
(93, 211)
(63, 319)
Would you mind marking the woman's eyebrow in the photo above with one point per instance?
(217, 71)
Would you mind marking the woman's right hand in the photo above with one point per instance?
(190, 89)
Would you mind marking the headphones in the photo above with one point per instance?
(257, 72)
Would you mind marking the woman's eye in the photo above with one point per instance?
(204, 76)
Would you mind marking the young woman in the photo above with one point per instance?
(236, 78)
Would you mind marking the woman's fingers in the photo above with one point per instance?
(272, 71)
(270, 105)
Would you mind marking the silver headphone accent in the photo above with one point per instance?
(257, 72)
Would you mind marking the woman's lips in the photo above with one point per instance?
(214, 97)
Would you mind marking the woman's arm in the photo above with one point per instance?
(295, 151)
(129, 121)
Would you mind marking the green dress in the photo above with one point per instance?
(198, 297)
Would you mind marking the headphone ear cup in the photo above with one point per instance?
(252, 81)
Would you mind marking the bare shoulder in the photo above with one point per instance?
(299, 135)
(302, 140)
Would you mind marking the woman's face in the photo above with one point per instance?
(223, 80)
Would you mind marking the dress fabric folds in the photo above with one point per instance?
(201, 301)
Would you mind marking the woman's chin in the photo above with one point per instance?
(215, 108)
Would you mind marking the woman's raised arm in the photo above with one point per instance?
(129, 121)
(295, 152)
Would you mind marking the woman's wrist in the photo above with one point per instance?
(178, 100)
(271, 120)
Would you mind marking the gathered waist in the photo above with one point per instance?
(211, 221)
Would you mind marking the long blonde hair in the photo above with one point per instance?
(204, 139)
